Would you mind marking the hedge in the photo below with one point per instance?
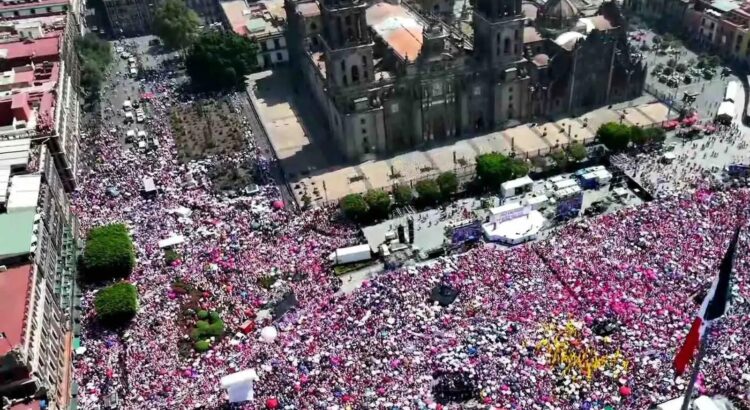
(109, 254)
(116, 304)
(210, 325)
(202, 346)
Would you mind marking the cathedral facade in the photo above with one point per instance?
(390, 77)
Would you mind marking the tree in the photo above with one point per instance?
(656, 134)
(402, 194)
(561, 159)
(94, 56)
(680, 68)
(116, 304)
(176, 24)
(354, 207)
(577, 151)
(668, 71)
(671, 62)
(615, 136)
(519, 168)
(428, 191)
(379, 203)
(220, 60)
(638, 136)
(493, 169)
(109, 254)
(448, 183)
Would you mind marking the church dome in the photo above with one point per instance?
(540, 59)
(561, 9)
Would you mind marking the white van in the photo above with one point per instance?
(130, 136)
(127, 105)
(128, 117)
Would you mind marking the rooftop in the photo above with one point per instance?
(262, 18)
(398, 27)
(309, 9)
(22, 225)
(21, 4)
(531, 35)
(14, 289)
(46, 48)
(725, 5)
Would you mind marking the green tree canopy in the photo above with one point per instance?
(403, 194)
(638, 136)
(615, 136)
(428, 191)
(656, 134)
(109, 254)
(116, 304)
(494, 168)
(379, 203)
(94, 56)
(577, 151)
(354, 207)
(220, 60)
(176, 24)
(448, 183)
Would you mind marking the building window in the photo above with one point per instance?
(279, 57)
(313, 26)
(362, 121)
(263, 46)
(477, 90)
(33, 11)
(364, 130)
(355, 74)
(276, 43)
(394, 108)
(506, 46)
(348, 20)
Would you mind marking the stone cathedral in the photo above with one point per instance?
(392, 76)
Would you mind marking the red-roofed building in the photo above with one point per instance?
(39, 110)
(31, 336)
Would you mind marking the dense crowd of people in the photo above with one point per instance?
(589, 318)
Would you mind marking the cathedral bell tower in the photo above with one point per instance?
(498, 32)
(347, 43)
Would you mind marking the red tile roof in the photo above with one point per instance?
(14, 292)
(34, 405)
(41, 49)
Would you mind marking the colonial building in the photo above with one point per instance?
(389, 77)
(39, 142)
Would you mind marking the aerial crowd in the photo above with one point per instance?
(589, 318)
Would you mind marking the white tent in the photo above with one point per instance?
(726, 111)
(171, 241)
(239, 385)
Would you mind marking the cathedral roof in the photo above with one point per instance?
(568, 39)
(562, 9)
(398, 27)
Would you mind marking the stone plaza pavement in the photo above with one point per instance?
(311, 168)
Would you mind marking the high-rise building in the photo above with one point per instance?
(39, 134)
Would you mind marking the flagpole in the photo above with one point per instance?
(696, 367)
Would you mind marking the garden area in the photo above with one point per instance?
(210, 129)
